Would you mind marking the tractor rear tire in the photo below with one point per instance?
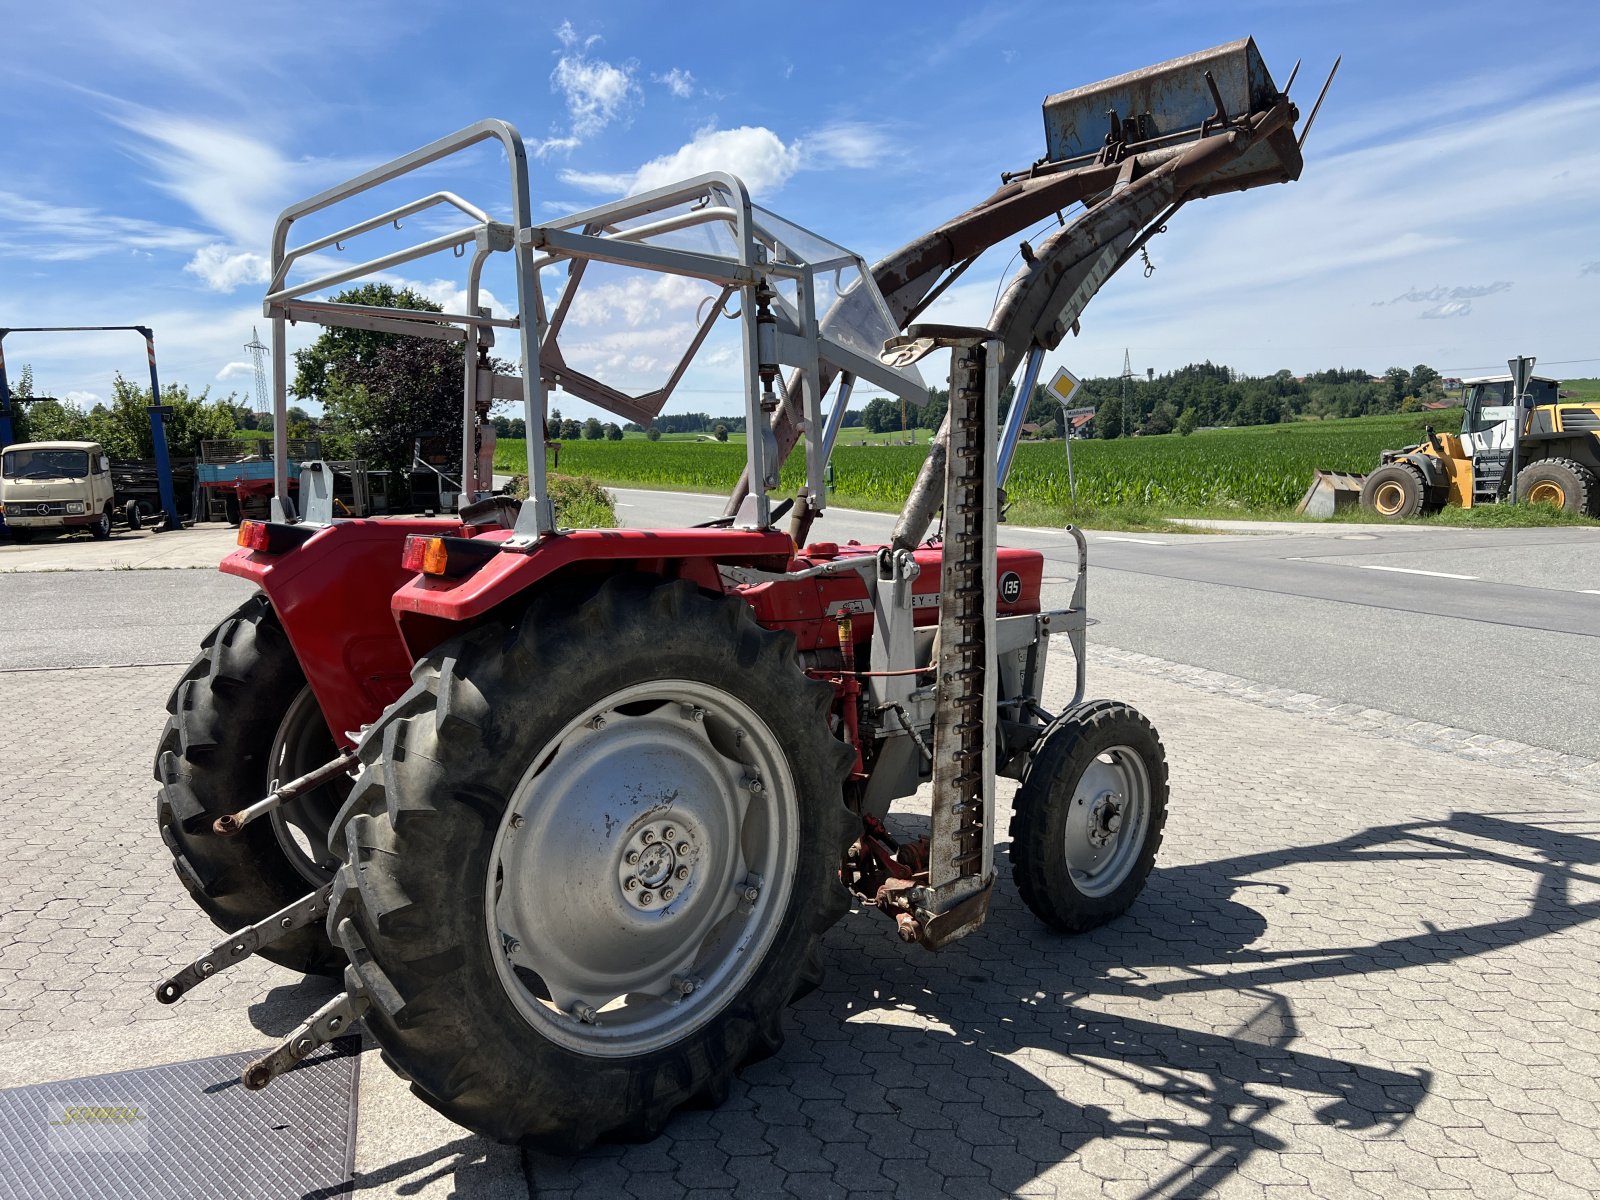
(1561, 483)
(242, 704)
(1088, 819)
(1394, 492)
(545, 893)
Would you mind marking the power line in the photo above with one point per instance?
(1565, 362)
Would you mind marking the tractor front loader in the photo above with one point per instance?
(570, 810)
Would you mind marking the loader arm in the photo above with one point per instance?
(1162, 156)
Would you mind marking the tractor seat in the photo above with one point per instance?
(495, 512)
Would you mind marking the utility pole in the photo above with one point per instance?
(258, 355)
(1127, 377)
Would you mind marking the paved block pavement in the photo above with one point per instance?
(1364, 966)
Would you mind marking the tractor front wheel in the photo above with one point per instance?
(242, 721)
(1088, 818)
(588, 862)
(1394, 492)
(1560, 483)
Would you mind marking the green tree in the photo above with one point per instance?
(380, 391)
(613, 432)
(1108, 417)
(1187, 422)
(721, 433)
(652, 434)
(593, 431)
(881, 415)
(1398, 380)
(571, 430)
(1421, 376)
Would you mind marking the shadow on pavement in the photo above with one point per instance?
(980, 1069)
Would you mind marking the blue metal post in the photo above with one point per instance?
(158, 438)
(7, 433)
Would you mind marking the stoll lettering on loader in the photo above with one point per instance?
(570, 810)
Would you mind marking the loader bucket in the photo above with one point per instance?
(1329, 492)
(1171, 105)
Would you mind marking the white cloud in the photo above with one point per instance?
(754, 153)
(235, 369)
(848, 144)
(52, 232)
(596, 92)
(637, 299)
(222, 269)
(677, 81)
(1452, 308)
(1438, 293)
(450, 295)
(232, 180)
(86, 399)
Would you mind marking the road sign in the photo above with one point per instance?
(1072, 414)
(1063, 386)
(1521, 375)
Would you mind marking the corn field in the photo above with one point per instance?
(1257, 469)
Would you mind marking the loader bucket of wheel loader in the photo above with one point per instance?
(1170, 105)
(1329, 492)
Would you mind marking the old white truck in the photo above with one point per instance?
(46, 486)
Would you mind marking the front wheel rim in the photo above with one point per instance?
(643, 868)
(1390, 499)
(1547, 491)
(1107, 820)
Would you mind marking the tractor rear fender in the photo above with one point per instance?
(427, 609)
(332, 595)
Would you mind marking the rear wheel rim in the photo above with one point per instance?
(643, 868)
(1107, 820)
(301, 825)
(1548, 491)
(1389, 499)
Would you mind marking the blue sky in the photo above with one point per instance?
(1449, 212)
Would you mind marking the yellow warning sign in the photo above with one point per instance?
(1063, 386)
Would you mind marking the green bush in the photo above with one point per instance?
(580, 503)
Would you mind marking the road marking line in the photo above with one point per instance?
(1413, 571)
(1106, 537)
(1588, 592)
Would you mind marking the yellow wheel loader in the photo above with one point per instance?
(1554, 459)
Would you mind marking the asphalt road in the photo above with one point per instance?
(1499, 633)
(1502, 637)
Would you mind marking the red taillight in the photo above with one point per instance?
(254, 535)
(414, 554)
(269, 537)
(430, 555)
(450, 557)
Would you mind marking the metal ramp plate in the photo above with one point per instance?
(184, 1129)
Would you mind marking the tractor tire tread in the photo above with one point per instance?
(1033, 849)
(224, 701)
(1585, 485)
(438, 749)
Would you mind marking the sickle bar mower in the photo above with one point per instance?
(570, 810)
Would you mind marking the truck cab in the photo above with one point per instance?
(46, 486)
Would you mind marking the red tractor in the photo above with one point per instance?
(570, 810)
